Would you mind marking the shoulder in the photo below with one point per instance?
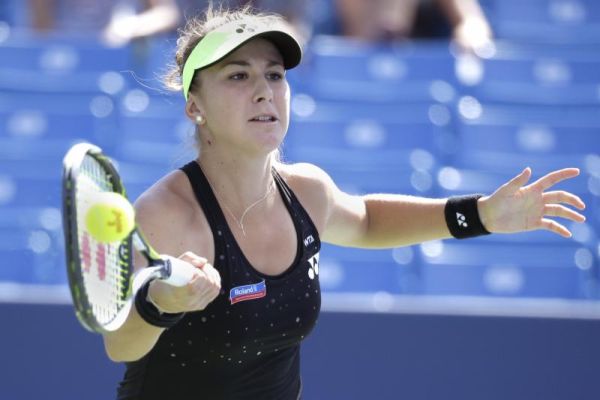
(312, 186)
(305, 175)
(167, 211)
(167, 198)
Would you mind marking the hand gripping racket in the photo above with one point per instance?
(101, 275)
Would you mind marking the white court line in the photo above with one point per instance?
(387, 303)
(34, 294)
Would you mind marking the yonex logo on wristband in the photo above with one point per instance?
(459, 210)
(461, 220)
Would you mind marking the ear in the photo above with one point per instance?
(193, 107)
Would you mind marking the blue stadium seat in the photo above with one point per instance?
(37, 124)
(491, 269)
(304, 106)
(337, 68)
(18, 168)
(544, 71)
(367, 62)
(533, 139)
(531, 78)
(86, 82)
(31, 150)
(62, 56)
(31, 245)
(544, 11)
(510, 49)
(55, 119)
(148, 102)
(47, 216)
(168, 130)
(529, 93)
(573, 21)
(378, 92)
(28, 192)
(366, 156)
(368, 135)
(472, 110)
(357, 270)
(366, 180)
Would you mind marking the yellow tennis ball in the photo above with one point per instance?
(110, 217)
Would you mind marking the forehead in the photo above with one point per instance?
(258, 49)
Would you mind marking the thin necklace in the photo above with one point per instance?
(240, 221)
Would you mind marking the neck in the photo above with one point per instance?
(237, 181)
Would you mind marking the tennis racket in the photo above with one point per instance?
(101, 275)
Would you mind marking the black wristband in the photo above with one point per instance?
(150, 313)
(462, 217)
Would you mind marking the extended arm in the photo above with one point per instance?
(382, 221)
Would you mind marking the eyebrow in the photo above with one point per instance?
(243, 63)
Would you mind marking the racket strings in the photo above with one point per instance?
(104, 280)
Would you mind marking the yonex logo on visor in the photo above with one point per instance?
(218, 43)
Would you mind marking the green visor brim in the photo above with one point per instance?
(219, 43)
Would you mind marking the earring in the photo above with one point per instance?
(199, 119)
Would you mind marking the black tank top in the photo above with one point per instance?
(246, 343)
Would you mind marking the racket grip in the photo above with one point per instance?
(181, 271)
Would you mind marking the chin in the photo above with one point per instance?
(271, 140)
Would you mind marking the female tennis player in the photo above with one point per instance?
(253, 225)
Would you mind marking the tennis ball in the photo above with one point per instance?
(110, 217)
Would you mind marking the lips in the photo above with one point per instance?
(263, 118)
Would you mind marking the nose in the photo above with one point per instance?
(263, 91)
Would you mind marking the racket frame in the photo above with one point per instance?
(169, 269)
(83, 308)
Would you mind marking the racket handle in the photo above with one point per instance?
(181, 271)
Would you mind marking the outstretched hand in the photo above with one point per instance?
(518, 208)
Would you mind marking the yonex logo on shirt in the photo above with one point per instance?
(313, 266)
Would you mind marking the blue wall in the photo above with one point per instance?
(46, 354)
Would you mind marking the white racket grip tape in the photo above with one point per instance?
(181, 272)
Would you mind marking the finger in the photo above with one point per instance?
(206, 301)
(193, 259)
(555, 177)
(555, 210)
(204, 297)
(555, 227)
(560, 196)
(518, 181)
(212, 283)
(215, 277)
(210, 270)
(201, 302)
(200, 276)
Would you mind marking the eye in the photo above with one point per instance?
(275, 76)
(238, 76)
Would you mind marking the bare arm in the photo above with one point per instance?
(162, 223)
(470, 27)
(158, 16)
(383, 220)
(42, 14)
